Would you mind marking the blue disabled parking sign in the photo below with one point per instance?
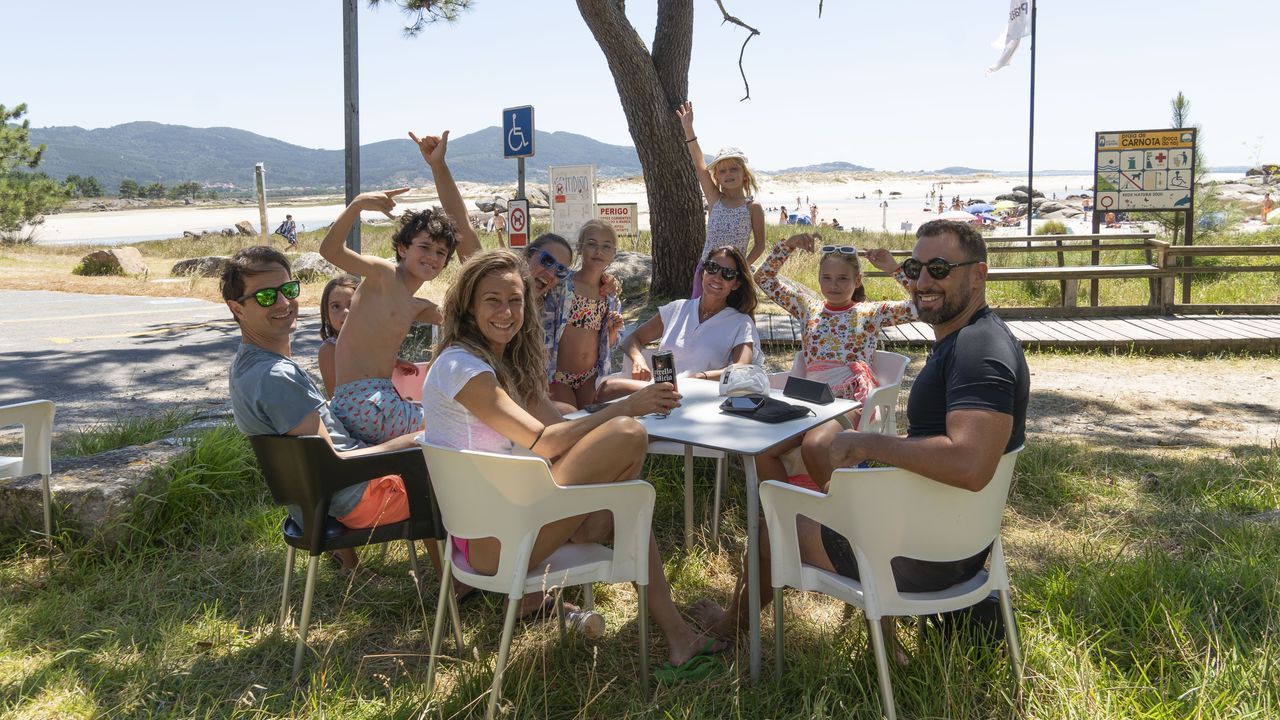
(517, 132)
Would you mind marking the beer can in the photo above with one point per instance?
(664, 367)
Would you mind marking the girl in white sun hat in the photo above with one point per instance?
(733, 218)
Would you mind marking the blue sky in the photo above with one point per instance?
(891, 85)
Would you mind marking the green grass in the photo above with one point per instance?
(138, 430)
(1142, 589)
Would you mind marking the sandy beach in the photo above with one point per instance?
(850, 198)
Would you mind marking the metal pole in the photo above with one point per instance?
(260, 180)
(520, 178)
(1031, 125)
(351, 108)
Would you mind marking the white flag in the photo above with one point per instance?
(1019, 27)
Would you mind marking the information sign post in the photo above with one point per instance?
(517, 139)
(518, 223)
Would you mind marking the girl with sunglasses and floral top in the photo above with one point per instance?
(705, 334)
(838, 335)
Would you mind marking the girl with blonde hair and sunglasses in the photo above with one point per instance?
(838, 336)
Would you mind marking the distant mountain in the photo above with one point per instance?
(822, 167)
(960, 170)
(153, 152)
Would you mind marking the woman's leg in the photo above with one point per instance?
(562, 393)
(613, 451)
(769, 465)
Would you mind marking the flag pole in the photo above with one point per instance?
(1031, 125)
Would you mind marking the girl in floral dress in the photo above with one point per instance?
(838, 337)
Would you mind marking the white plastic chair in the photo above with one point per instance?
(887, 513)
(36, 419)
(511, 498)
(666, 447)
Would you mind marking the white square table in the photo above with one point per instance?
(699, 421)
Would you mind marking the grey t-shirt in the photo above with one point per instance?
(270, 395)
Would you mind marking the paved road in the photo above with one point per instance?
(104, 357)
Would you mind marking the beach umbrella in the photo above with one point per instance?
(1005, 204)
(957, 215)
(979, 208)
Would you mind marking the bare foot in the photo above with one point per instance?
(712, 618)
(681, 650)
(537, 604)
(892, 648)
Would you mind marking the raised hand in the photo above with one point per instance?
(882, 259)
(803, 241)
(608, 285)
(432, 147)
(379, 201)
(685, 113)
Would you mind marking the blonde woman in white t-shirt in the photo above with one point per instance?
(487, 390)
(705, 334)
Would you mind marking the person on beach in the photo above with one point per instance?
(272, 395)
(288, 230)
(486, 391)
(967, 408)
(592, 315)
(782, 219)
(733, 216)
(838, 337)
(1266, 206)
(705, 334)
(500, 227)
(384, 307)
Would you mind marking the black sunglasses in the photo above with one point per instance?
(938, 267)
(548, 261)
(714, 268)
(266, 297)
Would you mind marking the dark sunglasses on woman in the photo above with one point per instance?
(266, 297)
(548, 261)
(938, 267)
(712, 267)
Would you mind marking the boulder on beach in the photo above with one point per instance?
(209, 266)
(633, 271)
(310, 266)
(244, 227)
(228, 232)
(115, 261)
(1024, 189)
(538, 198)
(1016, 196)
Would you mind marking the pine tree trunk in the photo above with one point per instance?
(650, 87)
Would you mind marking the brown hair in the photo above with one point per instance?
(247, 262)
(522, 369)
(860, 292)
(744, 298)
(327, 330)
(437, 226)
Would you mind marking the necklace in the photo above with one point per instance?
(704, 314)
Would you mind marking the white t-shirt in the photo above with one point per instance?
(703, 346)
(448, 422)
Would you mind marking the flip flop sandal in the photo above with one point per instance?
(696, 668)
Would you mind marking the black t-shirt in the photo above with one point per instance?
(980, 366)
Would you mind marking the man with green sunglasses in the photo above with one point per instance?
(272, 395)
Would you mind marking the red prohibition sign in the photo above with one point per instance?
(1106, 201)
(517, 220)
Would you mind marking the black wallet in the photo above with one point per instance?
(807, 390)
(769, 410)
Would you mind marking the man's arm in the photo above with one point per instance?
(333, 248)
(311, 425)
(433, 151)
(965, 457)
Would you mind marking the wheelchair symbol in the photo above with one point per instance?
(516, 140)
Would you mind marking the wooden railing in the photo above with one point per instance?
(1163, 267)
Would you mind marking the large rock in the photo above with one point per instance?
(538, 198)
(244, 227)
(209, 266)
(1023, 189)
(1016, 196)
(633, 271)
(310, 266)
(92, 495)
(115, 261)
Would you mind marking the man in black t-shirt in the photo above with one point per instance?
(966, 409)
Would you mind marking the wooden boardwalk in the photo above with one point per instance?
(1156, 333)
